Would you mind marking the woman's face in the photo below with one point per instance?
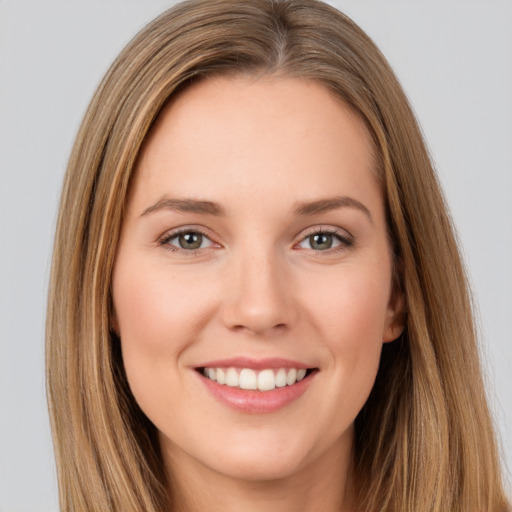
(254, 250)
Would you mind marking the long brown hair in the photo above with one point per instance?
(424, 439)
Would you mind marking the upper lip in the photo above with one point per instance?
(255, 364)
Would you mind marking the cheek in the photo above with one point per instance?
(144, 309)
(351, 308)
(138, 303)
(156, 307)
(350, 315)
(157, 318)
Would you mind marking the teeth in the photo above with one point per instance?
(291, 377)
(281, 378)
(266, 380)
(232, 379)
(247, 378)
(221, 376)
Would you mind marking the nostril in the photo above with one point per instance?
(256, 328)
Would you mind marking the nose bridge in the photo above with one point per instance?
(257, 299)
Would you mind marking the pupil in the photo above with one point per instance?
(321, 241)
(190, 240)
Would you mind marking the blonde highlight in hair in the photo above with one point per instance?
(424, 439)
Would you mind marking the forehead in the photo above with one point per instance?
(224, 133)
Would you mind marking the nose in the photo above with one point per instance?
(258, 298)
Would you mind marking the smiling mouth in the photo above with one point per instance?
(257, 380)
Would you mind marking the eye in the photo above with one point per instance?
(325, 240)
(187, 240)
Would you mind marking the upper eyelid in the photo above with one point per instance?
(163, 241)
(344, 238)
(333, 230)
(172, 233)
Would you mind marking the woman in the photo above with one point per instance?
(257, 302)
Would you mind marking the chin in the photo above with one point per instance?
(262, 459)
(258, 467)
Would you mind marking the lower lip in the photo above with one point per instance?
(257, 402)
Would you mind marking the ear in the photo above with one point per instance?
(395, 317)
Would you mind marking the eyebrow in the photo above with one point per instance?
(333, 203)
(212, 208)
(186, 206)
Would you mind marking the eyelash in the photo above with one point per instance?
(164, 241)
(345, 241)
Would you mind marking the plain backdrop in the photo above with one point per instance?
(454, 59)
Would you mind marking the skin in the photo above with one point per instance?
(256, 287)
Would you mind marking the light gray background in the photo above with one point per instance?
(455, 61)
